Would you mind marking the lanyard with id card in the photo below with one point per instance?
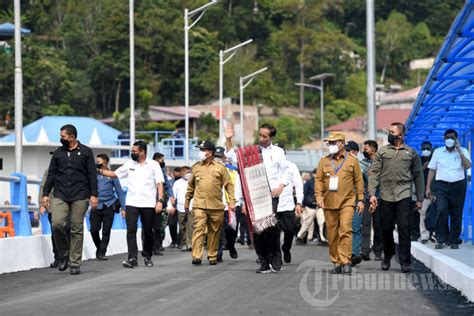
(334, 180)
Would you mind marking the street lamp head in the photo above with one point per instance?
(322, 76)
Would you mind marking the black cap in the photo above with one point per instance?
(220, 152)
(352, 145)
(206, 145)
(280, 144)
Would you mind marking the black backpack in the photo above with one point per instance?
(431, 217)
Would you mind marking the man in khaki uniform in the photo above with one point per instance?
(205, 189)
(337, 175)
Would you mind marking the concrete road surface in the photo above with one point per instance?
(175, 287)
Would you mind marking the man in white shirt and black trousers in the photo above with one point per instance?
(144, 198)
(287, 207)
(267, 244)
(449, 163)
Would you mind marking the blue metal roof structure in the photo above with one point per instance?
(446, 100)
(46, 130)
(8, 30)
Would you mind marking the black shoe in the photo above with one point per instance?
(299, 242)
(276, 268)
(54, 264)
(346, 269)
(233, 253)
(336, 270)
(454, 246)
(101, 258)
(63, 264)
(213, 262)
(355, 260)
(386, 263)
(75, 271)
(161, 248)
(406, 268)
(264, 269)
(414, 238)
(179, 246)
(148, 262)
(378, 258)
(365, 257)
(130, 263)
(424, 241)
(196, 262)
(173, 245)
(157, 252)
(441, 245)
(287, 256)
(219, 259)
(241, 241)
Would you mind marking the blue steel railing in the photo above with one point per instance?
(172, 148)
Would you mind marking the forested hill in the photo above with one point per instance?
(76, 61)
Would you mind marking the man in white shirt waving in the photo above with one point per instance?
(267, 244)
(449, 163)
(144, 198)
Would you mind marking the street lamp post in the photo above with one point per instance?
(244, 82)
(371, 117)
(132, 73)
(187, 27)
(320, 77)
(18, 91)
(222, 62)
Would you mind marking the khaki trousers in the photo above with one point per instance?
(210, 222)
(185, 228)
(339, 231)
(60, 211)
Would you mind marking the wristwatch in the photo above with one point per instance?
(161, 200)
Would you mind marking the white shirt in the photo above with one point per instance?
(286, 201)
(448, 164)
(179, 191)
(141, 182)
(275, 165)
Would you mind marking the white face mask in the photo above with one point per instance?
(449, 143)
(333, 149)
(202, 155)
(426, 153)
(187, 176)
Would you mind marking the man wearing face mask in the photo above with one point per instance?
(185, 218)
(172, 216)
(371, 216)
(208, 177)
(73, 176)
(395, 168)
(102, 217)
(338, 184)
(426, 151)
(144, 199)
(449, 163)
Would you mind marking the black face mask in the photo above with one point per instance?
(134, 157)
(162, 164)
(64, 142)
(366, 154)
(392, 138)
(98, 165)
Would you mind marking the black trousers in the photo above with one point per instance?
(287, 224)
(243, 226)
(392, 213)
(449, 204)
(101, 219)
(157, 234)
(267, 244)
(228, 235)
(414, 221)
(368, 221)
(173, 227)
(146, 216)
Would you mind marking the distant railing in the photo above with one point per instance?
(171, 147)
